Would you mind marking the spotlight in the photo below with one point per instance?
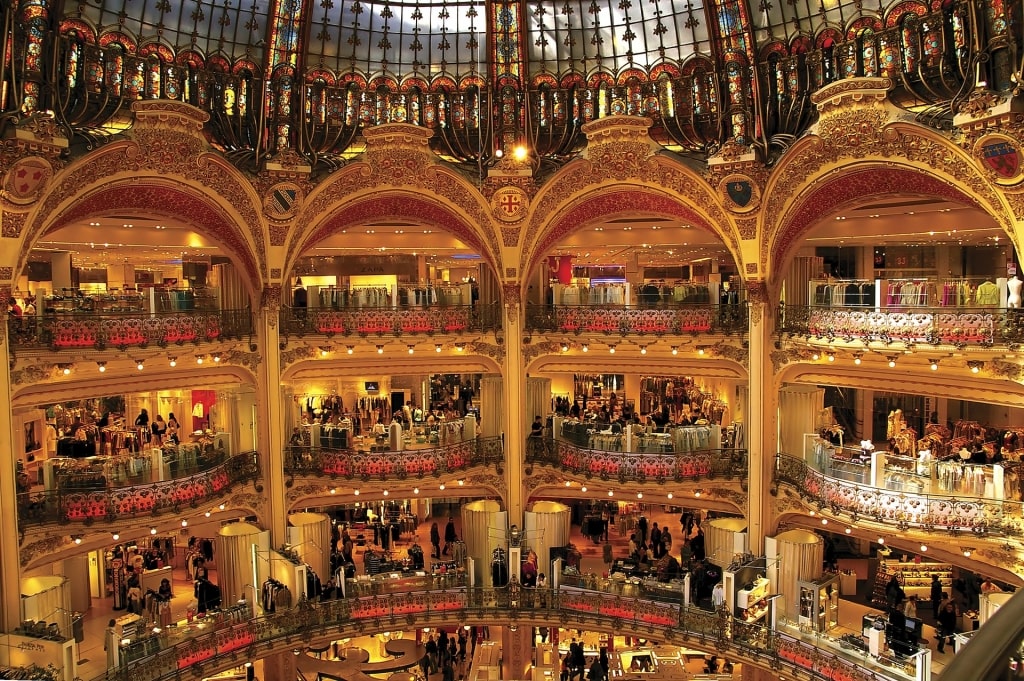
(639, 495)
(173, 361)
(380, 349)
(78, 540)
(140, 366)
(881, 540)
(437, 348)
(355, 492)
(848, 530)
(415, 490)
(675, 349)
(152, 530)
(831, 356)
(923, 547)
(697, 493)
(324, 350)
(199, 359)
(934, 364)
(102, 366)
(565, 347)
(334, 490)
(66, 370)
(967, 553)
(184, 523)
(115, 536)
(857, 358)
(216, 357)
(221, 507)
(460, 346)
(586, 348)
(350, 349)
(441, 486)
(208, 514)
(611, 349)
(975, 366)
(387, 493)
(815, 357)
(892, 361)
(700, 350)
(670, 495)
(412, 349)
(611, 493)
(824, 521)
(461, 482)
(643, 349)
(583, 489)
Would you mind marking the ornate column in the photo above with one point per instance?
(270, 412)
(762, 411)
(515, 402)
(10, 582)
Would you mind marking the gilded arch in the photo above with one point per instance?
(857, 153)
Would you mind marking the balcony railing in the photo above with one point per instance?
(678, 320)
(389, 465)
(88, 506)
(390, 321)
(121, 330)
(957, 327)
(903, 510)
(629, 467)
(309, 623)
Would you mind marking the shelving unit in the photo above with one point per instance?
(917, 577)
(819, 603)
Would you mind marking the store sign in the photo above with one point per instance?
(375, 264)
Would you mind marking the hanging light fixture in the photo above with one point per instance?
(101, 366)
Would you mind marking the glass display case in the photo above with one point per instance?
(819, 603)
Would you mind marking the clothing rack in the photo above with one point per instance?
(843, 293)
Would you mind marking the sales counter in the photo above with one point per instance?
(673, 591)
(137, 642)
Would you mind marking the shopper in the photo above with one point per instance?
(656, 541)
(936, 596)
(159, 429)
(142, 420)
(435, 541)
(450, 535)
(946, 625)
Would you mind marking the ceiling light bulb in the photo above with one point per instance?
(350, 349)
(639, 495)
(460, 347)
(848, 530)
(208, 514)
(115, 536)
(935, 365)
(380, 349)
(415, 490)
(824, 521)
(323, 352)
(386, 493)
(221, 507)
(583, 489)
(67, 371)
(519, 153)
(700, 351)
(881, 540)
(140, 366)
(697, 493)
(174, 361)
(437, 348)
(152, 530)
(412, 349)
(199, 359)
(831, 357)
(815, 356)
(892, 362)
(923, 547)
(856, 360)
(441, 486)
(565, 347)
(611, 493)
(611, 349)
(975, 369)
(216, 357)
(967, 553)
(102, 366)
(670, 495)
(586, 348)
(675, 350)
(78, 540)
(184, 523)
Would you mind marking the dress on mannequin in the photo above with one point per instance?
(1013, 287)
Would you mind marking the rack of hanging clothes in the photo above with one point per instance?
(958, 293)
(592, 294)
(375, 409)
(958, 477)
(314, 406)
(843, 293)
(915, 292)
(274, 595)
(370, 296)
(314, 588)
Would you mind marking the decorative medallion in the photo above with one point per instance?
(282, 200)
(26, 179)
(740, 193)
(509, 204)
(1000, 157)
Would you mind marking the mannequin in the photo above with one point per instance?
(300, 298)
(1013, 286)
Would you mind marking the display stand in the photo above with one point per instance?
(916, 578)
(748, 592)
(25, 651)
(819, 603)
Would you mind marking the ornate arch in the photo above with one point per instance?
(855, 155)
(620, 173)
(400, 178)
(396, 204)
(165, 169)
